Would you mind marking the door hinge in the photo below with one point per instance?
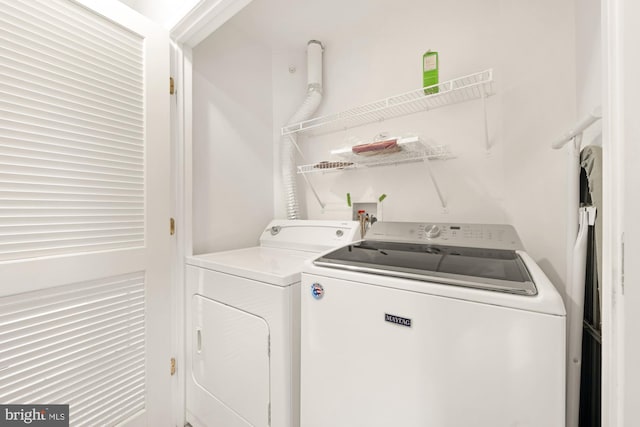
(172, 86)
(173, 366)
(172, 226)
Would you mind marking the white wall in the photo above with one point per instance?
(232, 146)
(589, 65)
(538, 63)
(521, 181)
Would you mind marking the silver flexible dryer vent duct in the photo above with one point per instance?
(288, 143)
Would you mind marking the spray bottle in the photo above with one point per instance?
(430, 67)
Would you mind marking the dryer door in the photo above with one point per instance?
(230, 359)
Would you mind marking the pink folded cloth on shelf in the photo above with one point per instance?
(390, 145)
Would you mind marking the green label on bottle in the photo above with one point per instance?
(430, 65)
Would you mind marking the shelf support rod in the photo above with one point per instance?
(313, 190)
(486, 120)
(443, 202)
(294, 141)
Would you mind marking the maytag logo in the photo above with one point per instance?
(34, 415)
(402, 321)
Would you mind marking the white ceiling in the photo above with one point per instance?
(163, 12)
(133, 4)
(285, 24)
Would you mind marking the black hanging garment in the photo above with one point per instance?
(591, 373)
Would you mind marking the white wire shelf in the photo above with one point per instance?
(473, 86)
(408, 150)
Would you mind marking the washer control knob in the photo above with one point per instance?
(339, 233)
(431, 231)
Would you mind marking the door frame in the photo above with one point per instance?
(200, 22)
(619, 210)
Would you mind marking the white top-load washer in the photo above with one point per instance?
(431, 325)
(243, 326)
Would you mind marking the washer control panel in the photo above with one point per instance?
(491, 236)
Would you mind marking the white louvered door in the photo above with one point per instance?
(84, 211)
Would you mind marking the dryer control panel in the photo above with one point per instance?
(309, 235)
(490, 236)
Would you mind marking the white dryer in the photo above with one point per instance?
(243, 326)
(431, 325)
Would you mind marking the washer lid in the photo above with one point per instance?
(280, 267)
(489, 269)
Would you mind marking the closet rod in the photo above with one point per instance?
(595, 115)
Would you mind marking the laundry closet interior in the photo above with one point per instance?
(250, 76)
(520, 75)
